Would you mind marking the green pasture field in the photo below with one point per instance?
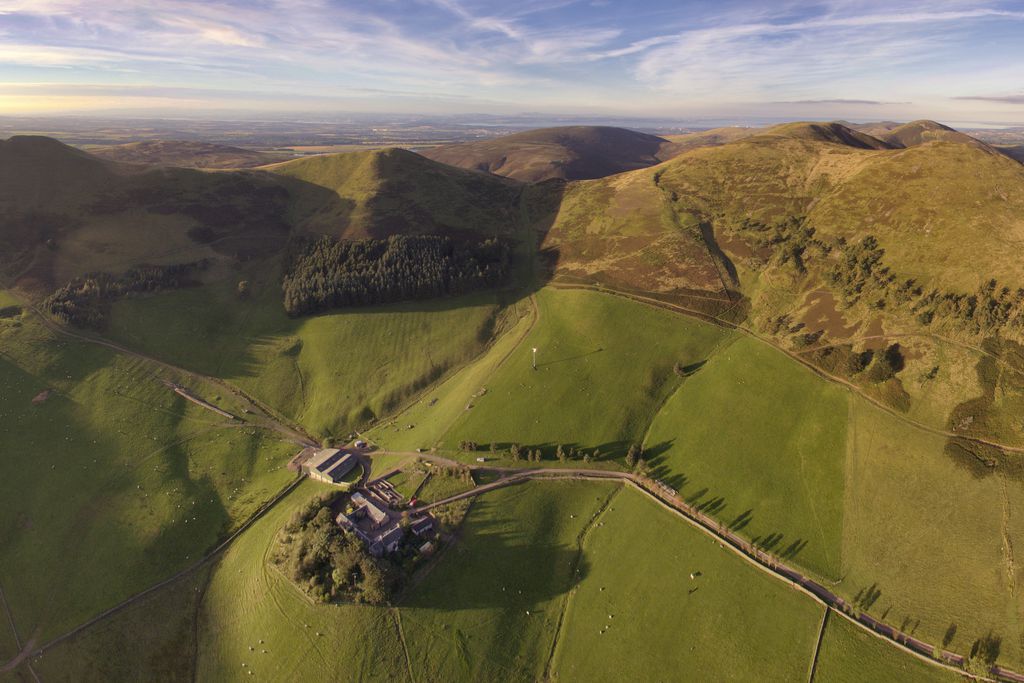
(848, 654)
(439, 487)
(547, 579)
(248, 601)
(153, 640)
(382, 463)
(490, 608)
(636, 613)
(111, 482)
(332, 373)
(760, 441)
(604, 367)
(435, 411)
(928, 544)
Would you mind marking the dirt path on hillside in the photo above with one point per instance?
(807, 364)
(31, 650)
(260, 415)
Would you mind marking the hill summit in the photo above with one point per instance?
(567, 152)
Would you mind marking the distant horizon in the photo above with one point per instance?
(523, 120)
(731, 60)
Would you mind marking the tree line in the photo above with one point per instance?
(325, 272)
(85, 301)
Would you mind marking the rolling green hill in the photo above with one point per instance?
(383, 192)
(568, 152)
(841, 353)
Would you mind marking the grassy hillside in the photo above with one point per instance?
(161, 631)
(184, 154)
(567, 152)
(843, 182)
(382, 192)
(868, 501)
(760, 441)
(104, 464)
(332, 372)
(604, 367)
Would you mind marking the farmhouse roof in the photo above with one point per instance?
(422, 525)
(372, 511)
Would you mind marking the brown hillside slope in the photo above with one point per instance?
(705, 138)
(924, 131)
(184, 154)
(569, 153)
(935, 221)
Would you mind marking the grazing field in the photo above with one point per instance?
(849, 655)
(760, 442)
(407, 481)
(604, 367)
(109, 467)
(441, 486)
(153, 640)
(332, 373)
(636, 612)
(546, 579)
(382, 463)
(490, 608)
(250, 607)
(917, 524)
(433, 413)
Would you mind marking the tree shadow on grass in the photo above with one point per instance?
(500, 564)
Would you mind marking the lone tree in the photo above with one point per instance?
(632, 454)
(641, 469)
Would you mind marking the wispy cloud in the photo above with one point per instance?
(531, 54)
(1001, 99)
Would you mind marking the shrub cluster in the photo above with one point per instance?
(856, 271)
(85, 301)
(327, 273)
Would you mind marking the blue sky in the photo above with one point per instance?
(957, 61)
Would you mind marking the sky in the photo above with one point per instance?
(959, 61)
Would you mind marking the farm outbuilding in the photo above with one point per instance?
(329, 465)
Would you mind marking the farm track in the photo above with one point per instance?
(266, 416)
(223, 545)
(853, 388)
